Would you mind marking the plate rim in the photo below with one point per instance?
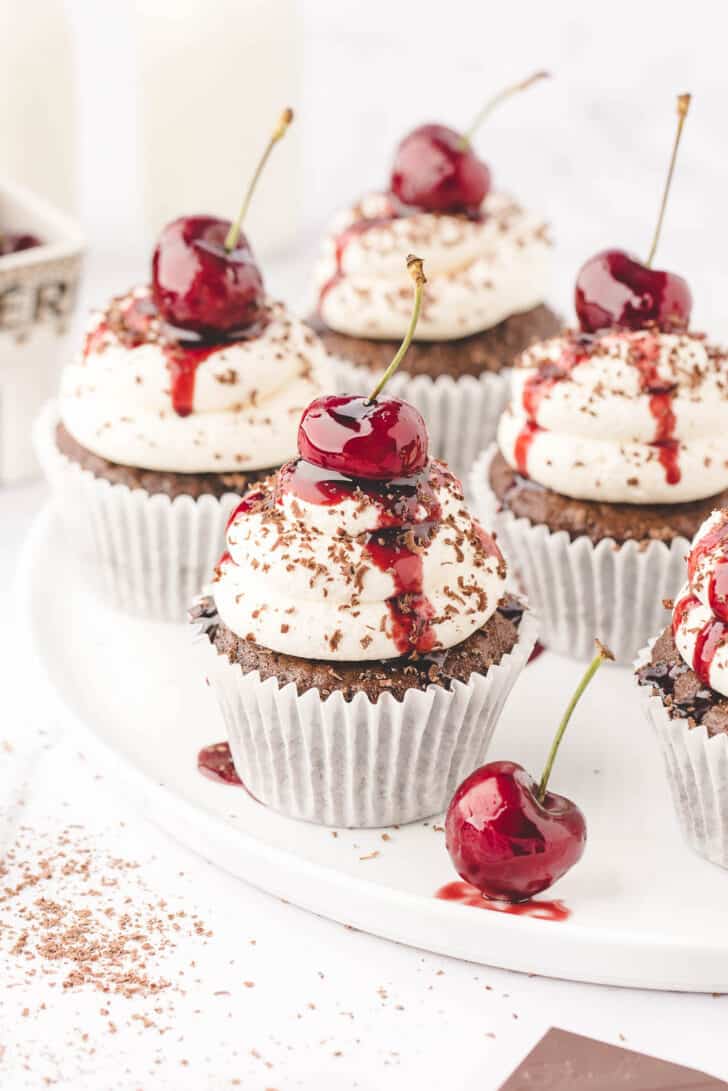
(160, 802)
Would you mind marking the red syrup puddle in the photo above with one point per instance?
(183, 351)
(216, 763)
(645, 357)
(465, 894)
(538, 649)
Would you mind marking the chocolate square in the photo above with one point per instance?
(570, 1062)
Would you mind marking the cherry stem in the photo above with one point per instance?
(491, 104)
(683, 105)
(602, 655)
(231, 239)
(416, 271)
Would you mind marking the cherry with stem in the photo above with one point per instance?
(615, 289)
(373, 438)
(204, 275)
(509, 836)
(435, 168)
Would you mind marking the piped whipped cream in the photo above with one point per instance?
(323, 567)
(635, 417)
(137, 397)
(700, 613)
(479, 271)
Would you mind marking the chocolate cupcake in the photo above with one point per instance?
(357, 629)
(488, 270)
(609, 456)
(684, 675)
(154, 440)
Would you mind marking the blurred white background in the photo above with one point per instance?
(175, 99)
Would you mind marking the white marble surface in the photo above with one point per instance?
(333, 1008)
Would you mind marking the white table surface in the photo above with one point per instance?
(330, 1008)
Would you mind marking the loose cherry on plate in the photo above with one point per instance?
(375, 438)
(436, 169)
(507, 835)
(204, 275)
(614, 288)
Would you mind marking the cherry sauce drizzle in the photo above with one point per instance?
(716, 540)
(465, 894)
(390, 548)
(645, 358)
(183, 352)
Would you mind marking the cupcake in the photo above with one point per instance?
(487, 261)
(611, 453)
(357, 631)
(684, 672)
(184, 395)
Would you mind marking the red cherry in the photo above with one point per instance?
(504, 840)
(200, 285)
(13, 242)
(508, 835)
(615, 289)
(436, 169)
(352, 435)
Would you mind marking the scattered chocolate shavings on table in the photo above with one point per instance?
(60, 916)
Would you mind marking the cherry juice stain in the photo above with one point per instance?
(216, 763)
(715, 541)
(465, 894)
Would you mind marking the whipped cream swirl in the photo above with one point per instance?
(621, 416)
(323, 567)
(700, 613)
(479, 271)
(137, 397)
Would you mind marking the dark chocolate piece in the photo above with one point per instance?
(570, 1062)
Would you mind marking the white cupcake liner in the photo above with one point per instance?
(144, 553)
(581, 590)
(697, 771)
(461, 414)
(359, 763)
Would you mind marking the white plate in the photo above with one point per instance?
(644, 910)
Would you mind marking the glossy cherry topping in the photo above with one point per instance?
(13, 242)
(378, 440)
(200, 285)
(509, 836)
(436, 169)
(204, 276)
(505, 840)
(615, 289)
